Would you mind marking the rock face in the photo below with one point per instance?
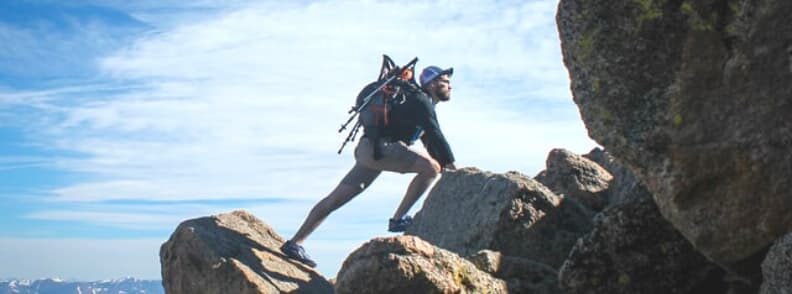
(577, 177)
(521, 275)
(777, 267)
(407, 264)
(469, 210)
(694, 96)
(624, 186)
(632, 249)
(232, 253)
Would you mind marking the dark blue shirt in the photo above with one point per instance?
(417, 115)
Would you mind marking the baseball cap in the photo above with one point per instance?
(432, 72)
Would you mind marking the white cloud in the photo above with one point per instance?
(248, 104)
(138, 221)
(16, 162)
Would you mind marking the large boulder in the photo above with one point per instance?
(777, 267)
(232, 253)
(521, 275)
(625, 186)
(632, 249)
(694, 96)
(576, 177)
(469, 210)
(407, 264)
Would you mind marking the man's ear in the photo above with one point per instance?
(431, 86)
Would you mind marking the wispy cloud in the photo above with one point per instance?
(57, 43)
(256, 94)
(114, 219)
(10, 161)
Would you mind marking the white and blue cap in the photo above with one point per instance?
(432, 72)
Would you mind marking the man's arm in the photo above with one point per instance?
(433, 138)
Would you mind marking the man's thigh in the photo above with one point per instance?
(396, 156)
(360, 177)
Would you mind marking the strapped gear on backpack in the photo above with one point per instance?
(374, 102)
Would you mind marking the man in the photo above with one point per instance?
(414, 118)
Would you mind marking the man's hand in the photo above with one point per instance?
(449, 167)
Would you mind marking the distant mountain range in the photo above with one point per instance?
(56, 286)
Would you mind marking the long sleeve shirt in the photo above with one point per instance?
(417, 115)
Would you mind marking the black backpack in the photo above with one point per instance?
(375, 100)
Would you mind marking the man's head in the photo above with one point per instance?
(436, 82)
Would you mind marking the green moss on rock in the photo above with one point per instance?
(624, 279)
(585, 45)
(649, 10)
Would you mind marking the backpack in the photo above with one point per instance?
(374, 116)
(375, 100)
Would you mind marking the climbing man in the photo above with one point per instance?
(393, 150)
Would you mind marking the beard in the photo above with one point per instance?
(442, 95)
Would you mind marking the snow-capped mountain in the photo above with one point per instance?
(57, 286)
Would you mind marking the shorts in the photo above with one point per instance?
(396, 157)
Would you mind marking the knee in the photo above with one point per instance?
(431, 168)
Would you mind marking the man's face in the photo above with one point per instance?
(441, 88)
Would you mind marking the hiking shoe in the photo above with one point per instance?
(399, 225)
(297, 252)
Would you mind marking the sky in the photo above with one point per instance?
(121, 119)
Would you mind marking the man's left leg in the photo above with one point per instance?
(356, 180)
(398, 157)
(428, 169)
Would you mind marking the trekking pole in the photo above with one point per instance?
(350, 137)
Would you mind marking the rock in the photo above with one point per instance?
(469, 210)
(777, 267)
(632, 249)
(407, 264)
(521, 275)
(624, 186)
(693, 96)
(576, 177)
(232, 253)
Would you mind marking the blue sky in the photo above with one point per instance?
(119, 119)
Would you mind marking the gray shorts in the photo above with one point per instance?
(396, 157)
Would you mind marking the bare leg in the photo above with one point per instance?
(427, 169)
(340, 196)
